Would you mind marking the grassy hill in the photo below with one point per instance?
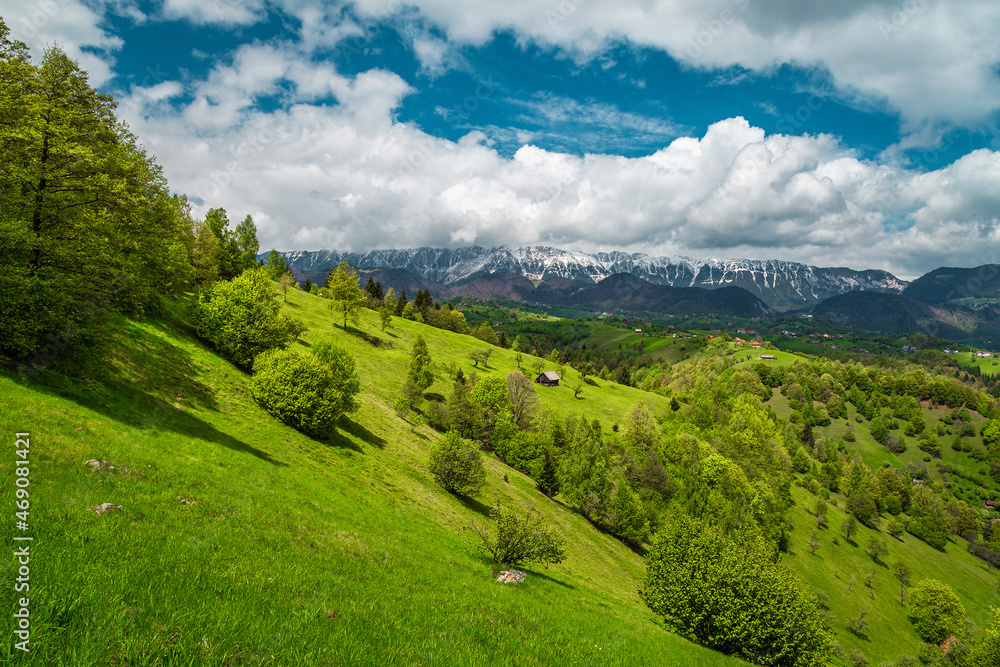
(241, 541)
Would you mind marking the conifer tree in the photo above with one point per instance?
(548, 481)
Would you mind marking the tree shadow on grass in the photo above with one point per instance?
(474, 505)
(536, 573)
(144, 381)
(338, 439)
(362, 433)
(128, 406)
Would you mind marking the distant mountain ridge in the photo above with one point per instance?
(781, 285)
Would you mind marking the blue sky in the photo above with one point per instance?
(861, 133)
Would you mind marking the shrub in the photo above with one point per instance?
(936, 610)
(457, 465)
(518, 541)
(986, 648)
(345, 376)
(731, 594)
(299, 390)
(240, 318)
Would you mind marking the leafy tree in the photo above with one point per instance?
(517, 541)
(230, 264)
(863, 506)
(385, 316)
(463, 415)
(963, 517)
(457, 465)
(284, 282)
(625, 516)
(345, 375)
(930, 522)
(876, 549)
(729, 593)
(481, 357)
(850, 527)
(420, 373)
(516, 349)
(205, 255)
(936, 612)
(241, 318)
(307, 286)
(986, 647)
(901, 571)
(275, 265)
(639, 427)
(389, 301)
(991, 431)
(299, 390)
(87, 226)
(247, 246)
(345, 296)
(485, 333)
(523, 399)
(584, 477)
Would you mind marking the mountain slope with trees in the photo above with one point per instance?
(228, 467)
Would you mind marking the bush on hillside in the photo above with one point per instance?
(729, 593)
(457, 465)
(241, 318)
(936, 612)
(518, 541)
(345, 375)
(299, 390)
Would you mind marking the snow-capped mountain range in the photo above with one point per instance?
(782, 285)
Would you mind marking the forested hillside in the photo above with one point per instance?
(230, 467)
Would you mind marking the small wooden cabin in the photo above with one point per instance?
(548, 379)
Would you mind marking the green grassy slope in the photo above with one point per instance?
(839, 568)
(241, 541)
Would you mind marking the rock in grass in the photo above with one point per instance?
(510, 577)
(104, 507)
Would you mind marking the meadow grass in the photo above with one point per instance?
(839, 568)
(990, 366)
(241, 541)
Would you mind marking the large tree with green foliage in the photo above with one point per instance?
(420, 373)
(87, 226)
(936, 611)
(241, 318)
(346, 298)
(730, 593)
